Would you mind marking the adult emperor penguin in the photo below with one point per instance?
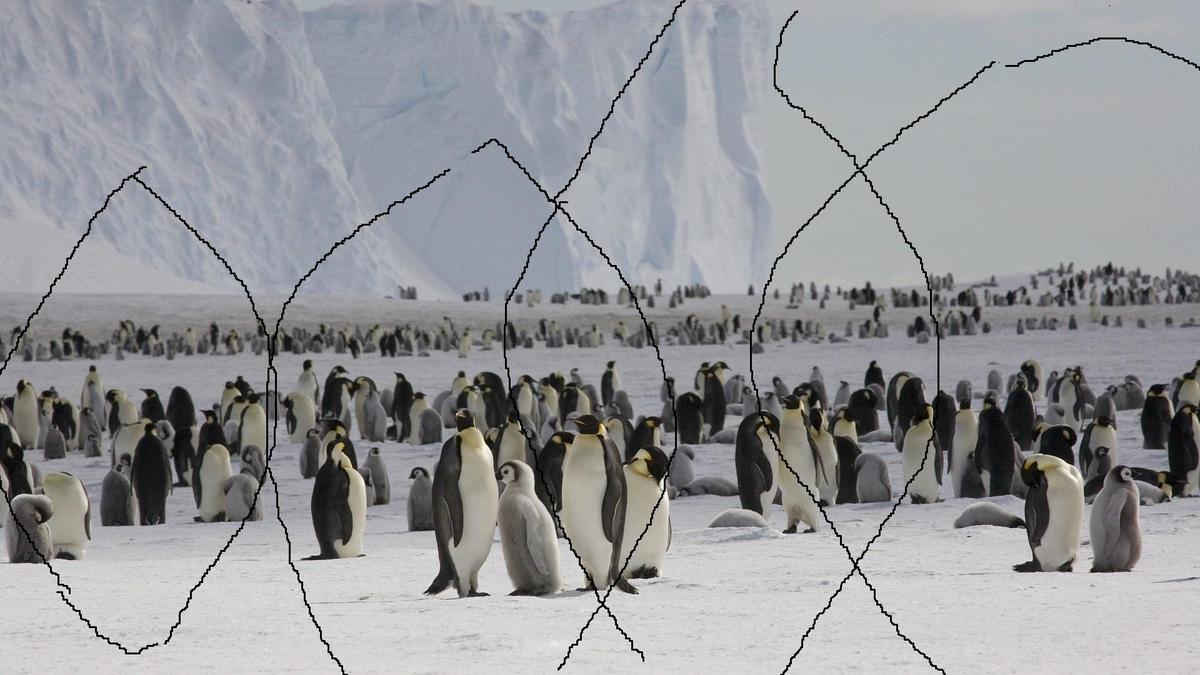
(1059, 440)
(510, 441)
(647, 433)
(1189, 390)
(863, 407)
(72, 528)
(547, 469)
(301, 416)
(25, 414)
(1182, 455)
(1114, 527)
(922, 459)
(964, 474)
(214, 470)
(1101, 433)
(151, 477)
(797, 467)
(1157, 412)
(908, 403)
(1019, 413)
(307, 382)
(593, 504)
(845, 438)
(713, 404)
(874, 375)
(465, 503)
(252, 425)
(1032, 370)
(689, 420)
(527, 534)
(418, 407)
(994, 450)
(893, 395)
(401, 412)
(610, 382)
(1053, 513)
(92, 395)
(1070, 397)
(754, 458)
(28, 515)
(644, 475)
(827, 469)
(339, 506)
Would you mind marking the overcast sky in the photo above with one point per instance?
(1090, 156)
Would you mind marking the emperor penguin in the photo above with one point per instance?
(1157, 412)
(29, 514)
(872, 483)
(361, 388)
(511, 443)
(214, 470)
(922, 459)
(689, 419)
(1101, 433)
(647, 506)
(547, 469)
(374, 421)
(594, 504)
(252, 425)
(994, 449)
(963, 473)
(307, 383)
(713, 404)
(240, 501)
(465, 505)
(92, 395)
(1070, 397)
(459, 383)
(420, 501)
(797, 467)
(72, 528)
(610, 383)
(1114, 527)
(1182, 455)
(301, 416)
(845, 437)
(647, 432)
(1020, 415)
(310, 454)
(910, 400)
(863, 407)
(527, 534)
(893, 396)
(1032, 370)
(150, 476)
(25, 414)
(339, 506)
(419, 405)
(116, 497)
(380, 483)
(1189, 390)
(827, 468)
(1053, 513)
(754, 458)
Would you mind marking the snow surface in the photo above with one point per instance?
(728, 601)
(275, 132)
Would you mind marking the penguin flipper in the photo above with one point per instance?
(1037, 514)
(612, 514)
(341, 495)
(529, 537)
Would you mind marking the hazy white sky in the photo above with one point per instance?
(1090, 156)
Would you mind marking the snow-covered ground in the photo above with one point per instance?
(728, 600)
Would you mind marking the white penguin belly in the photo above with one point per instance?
(357, 499)
(254, 429)
(512, 447)
(925, 486)
(480, 497)
(1060, 542)
(68, 533)
(581, 514)
(644, 493)
(215, 470)
(796, 501)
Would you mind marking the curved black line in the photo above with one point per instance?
(1103, 38)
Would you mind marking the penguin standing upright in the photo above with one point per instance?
(1189, 390)
(1102, 433)
(893, 396)
(1020, 415)
(307, 382)
(527, 534)
(909, 402)
(713, 405)
(797, 467)
(151, 478)
(593, 504)
(547, 469)
(754, 458)
(72, 526)
(610, 383)
(1182, 455)
(922, 459)
(647, 433)
(827, 469)
(465, 504)
(689, 420)
(300, 416)
(863, 407)
(1070, 397)
(214, 470)
(994, 450)
(845, 437)
(1032, 370)
(964, 473)
(402, 400)
(252, 425)
(647, 507)
(1157, 412)
(117, 506)
(1053, 513)
(339, 506)
(1114, 528)
(25, 414)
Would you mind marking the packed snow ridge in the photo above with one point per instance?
(275, 132)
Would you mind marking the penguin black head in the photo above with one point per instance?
(1104, 421)
(148, 427)
(1157, 390)
(418, 471)
(419, 394)
(253, 398)
(514, 471)
(964, 404)
(791, 402)
(462, 374)
(611, 364)
(514, 417)
(1101, 452)
(652, 421)
(336, 446)
(649, 461)
(1031, 473)
(150, 393)
(563, 437)
(923, 414)
(375, 451)
(587, 424)
(1189, 375)
(209, 415)
(463, 419)
(307, 365)
(989, 401)
(92, 368)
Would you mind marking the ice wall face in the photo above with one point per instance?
(275, 132)
(672, 188)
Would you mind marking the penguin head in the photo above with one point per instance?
(1189, 375)
(514, 417)
(418, 472)
(21, 384)
(514, 471)
(335, 448)
(307, 365)
(652, 421)
(1157, 390)
(964, 404)
(1166, 484)
(1120, 474)
(463, 419)
(650, 461)
(419, 394)
(1101, 452)
(791, 402)
(1104, 421)
(588, 424)
(150, 393)
(923, 414)
(147, 426)
(989, 401)
(209, 415)
(611, 364)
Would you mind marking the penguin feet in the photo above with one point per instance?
(644, 573)
(790, 530)
(1068, 566)
(64, 555)
(181, 483)
(627, 587)
(477, 594)
(519, 592)
(1030, 566)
